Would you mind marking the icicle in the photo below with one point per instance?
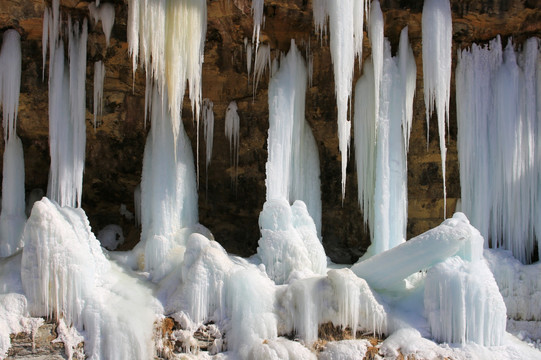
(67, 125)
(381, 137)
(208, 132)
(408, 72)
(137, 204)
(104, 13)
(437, 43)
(44, 39)
(232, 127)
(310, 61)
(257, 12)
(262, 62)
(10, 80)
(346, 24)
(248, 48)
(99, 76)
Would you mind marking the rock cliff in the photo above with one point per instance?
(229, 207)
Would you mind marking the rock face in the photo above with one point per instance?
(231, 208)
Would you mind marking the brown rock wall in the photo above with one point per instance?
(115, 149)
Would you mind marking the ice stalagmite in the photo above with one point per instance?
(345, 28)
(437, 43)
(381, 133)
(99, 76)
(67, 128)
(12, 217)
(498, 132)
(289, 235)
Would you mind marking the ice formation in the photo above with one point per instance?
(168, 186)
(67, 105)
(437, 31)
(346, 40)
(12, 216)
(259, 18)
(498, 143)
(10, 80)
(262, 62)
(463, 303)
(99, 76)
(66, 275)
(454, 236)
(106, 14)
(171, 56)
(232, 128)
(293, 162)
(248, 48)
(383, 114)
(520, 285)
(208, 131)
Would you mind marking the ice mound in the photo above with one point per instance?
(455, 236)
(111, 236)
(345, 350)
(289, 241)
(463, 304)
(66, 275)
(340, 297)
(520, 285)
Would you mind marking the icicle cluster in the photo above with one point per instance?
(437, 43)
(12, 217)
(346, 32)
(259, 18)
(99, 76)
(383, 115)
(168, 38)
(104, 13)
(498, 107)
(262, 63)
(67, 105)
(232, 127)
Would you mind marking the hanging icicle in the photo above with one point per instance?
(437, 43)
(232, 127)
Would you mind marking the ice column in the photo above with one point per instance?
(437, 43)
(293, 164)
(498, 129)
(168, 186)
(346, 38)
(67, 128)
(12, 217)
(381, 135)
